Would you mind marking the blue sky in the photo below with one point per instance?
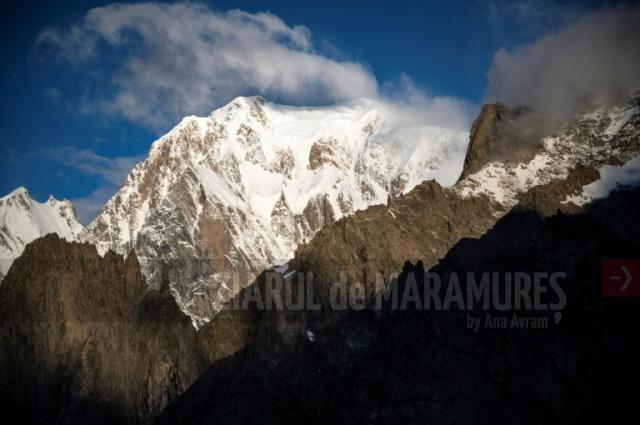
(81, 105)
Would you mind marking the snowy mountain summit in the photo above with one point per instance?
(23, 219)
(221, 198)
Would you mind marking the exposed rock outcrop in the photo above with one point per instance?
(484, 133)
(505, 135)
(328, 152)
(318, 213)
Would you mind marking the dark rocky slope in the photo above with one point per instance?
(83, 339)
(418, 366)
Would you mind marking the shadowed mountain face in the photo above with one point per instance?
(417, 366)
(83, 339)
(422, 225)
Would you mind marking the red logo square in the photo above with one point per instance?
(621, 278)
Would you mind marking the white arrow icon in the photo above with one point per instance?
(627, 273)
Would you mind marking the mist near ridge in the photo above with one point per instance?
(591, 62)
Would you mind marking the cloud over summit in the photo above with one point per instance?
(177, 59)
(153, 63)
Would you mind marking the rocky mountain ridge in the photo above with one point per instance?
(411, 366)
(103, 341)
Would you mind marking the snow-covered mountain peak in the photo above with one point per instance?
(22, 219)
(249, 182)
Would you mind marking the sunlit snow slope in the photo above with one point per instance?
(228, 195)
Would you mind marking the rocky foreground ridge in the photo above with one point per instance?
(386, 366)
(84, 339)
(382, 366)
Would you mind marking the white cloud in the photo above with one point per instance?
(179, 59)
(414, 106)
(594, 59)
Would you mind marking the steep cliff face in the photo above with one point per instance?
(484, 134)
(83, 337)
(506, 135)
